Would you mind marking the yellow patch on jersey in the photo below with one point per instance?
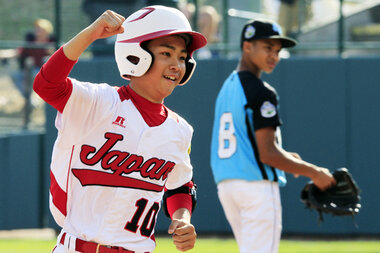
(189, 150)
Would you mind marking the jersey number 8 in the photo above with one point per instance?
(227, 138)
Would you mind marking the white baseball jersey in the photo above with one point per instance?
(109, 168)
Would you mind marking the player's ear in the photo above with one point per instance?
(247, 46)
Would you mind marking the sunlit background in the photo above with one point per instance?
(323, 27)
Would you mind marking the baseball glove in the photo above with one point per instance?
(341, 199)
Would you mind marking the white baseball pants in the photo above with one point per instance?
(253, 209)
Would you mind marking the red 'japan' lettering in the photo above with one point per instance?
(151, 166)
(86, 149)
(132, 164)
(168, 166)
(122, 162)
(112, 159)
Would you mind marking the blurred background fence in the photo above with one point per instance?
(323, 27)
(328, 87)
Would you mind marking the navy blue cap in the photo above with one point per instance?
(260, 29)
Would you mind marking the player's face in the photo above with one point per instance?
(167, 70)
(41, 34)
(264, 54)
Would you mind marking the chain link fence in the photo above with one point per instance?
(20, 108)
(17, 17)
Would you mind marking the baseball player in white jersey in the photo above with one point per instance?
(121, 151)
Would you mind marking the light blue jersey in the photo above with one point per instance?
(244, 104)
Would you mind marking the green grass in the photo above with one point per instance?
(26, 246)
(359, 246)
(212, 245)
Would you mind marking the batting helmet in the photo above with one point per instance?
(150, 23)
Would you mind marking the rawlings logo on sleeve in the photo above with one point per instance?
(120, 163)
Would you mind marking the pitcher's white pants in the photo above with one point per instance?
(253, 209)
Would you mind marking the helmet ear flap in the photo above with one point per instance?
(132, 60)
(190, 67)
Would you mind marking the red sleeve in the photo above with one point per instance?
(177, 201)
(52, 83)
(180, 200)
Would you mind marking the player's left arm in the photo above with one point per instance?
(179, 204)
(183, 232)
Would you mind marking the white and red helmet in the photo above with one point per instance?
(150, 23)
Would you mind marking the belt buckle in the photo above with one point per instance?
(98, 247)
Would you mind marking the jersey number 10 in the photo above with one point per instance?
(150, 218)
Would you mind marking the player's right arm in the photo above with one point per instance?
(273, 155)
(108, 24)
(52, 83)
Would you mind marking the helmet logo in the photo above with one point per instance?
(148, 10)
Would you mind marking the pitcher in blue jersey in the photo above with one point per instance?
(247, 159)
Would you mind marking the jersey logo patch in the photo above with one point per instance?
(119, 121)
(268, 110)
